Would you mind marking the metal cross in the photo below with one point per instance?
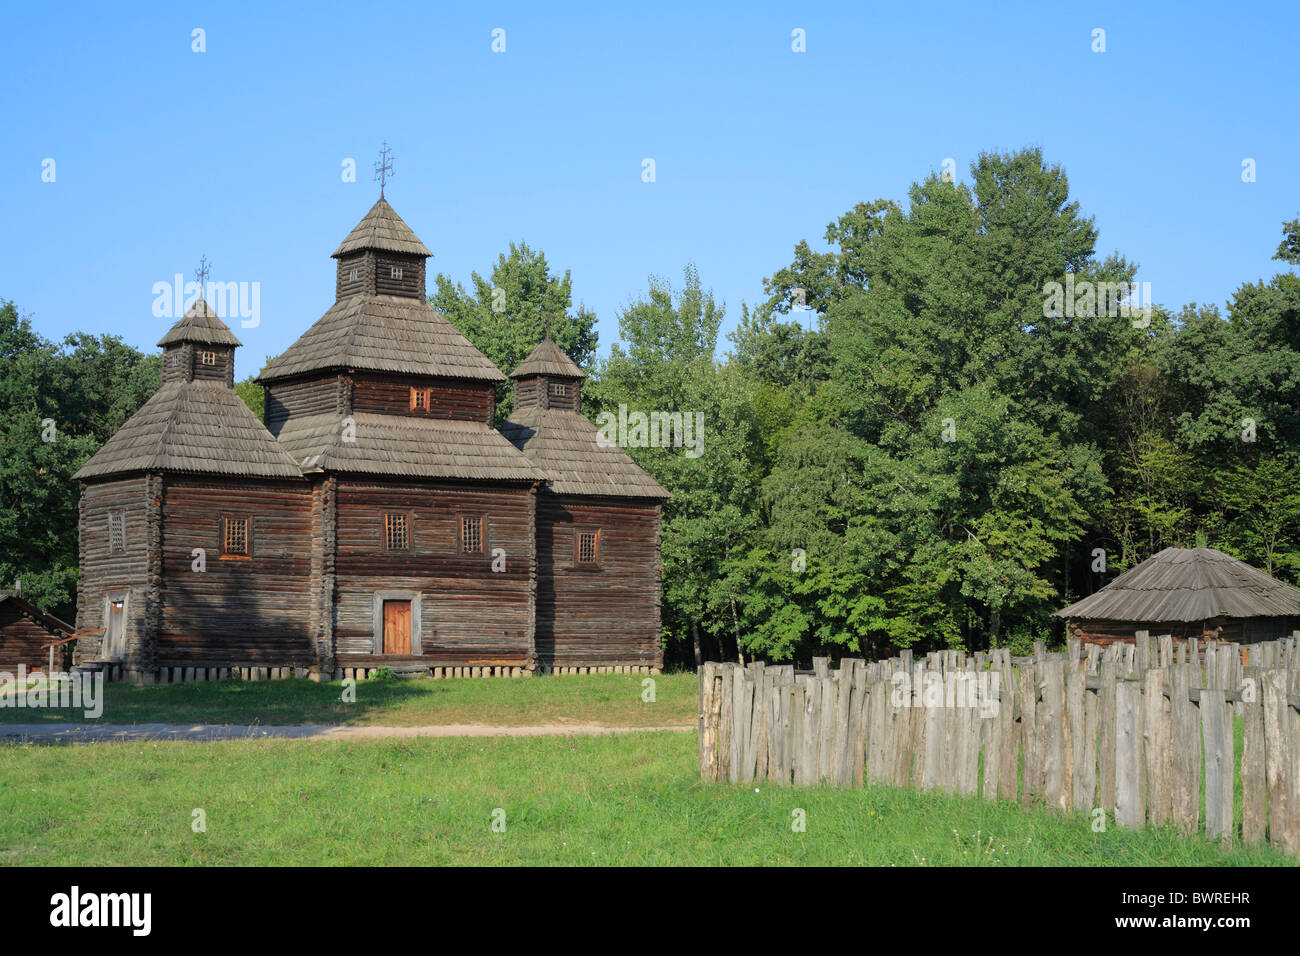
(383, 168)
(201, 276)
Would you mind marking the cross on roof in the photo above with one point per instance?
(201, 275)
(383, 168)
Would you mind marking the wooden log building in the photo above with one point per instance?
(1187, 592)
(26, 633)
(376, 516)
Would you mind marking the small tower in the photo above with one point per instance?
(381, 256)
(200, 347)
(548, 379)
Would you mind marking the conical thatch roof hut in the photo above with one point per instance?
(1188, 592)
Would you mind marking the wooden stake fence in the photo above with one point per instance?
(1144, 731)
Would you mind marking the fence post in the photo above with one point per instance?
(1130, 808)
(1253, 788)
(1276, 770)
(708, 726)
(1185, 750)
(1216, 724)
(1155, 743)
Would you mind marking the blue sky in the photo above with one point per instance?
(163, 154)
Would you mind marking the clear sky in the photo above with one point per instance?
(163, 154)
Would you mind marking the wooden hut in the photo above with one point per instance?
(375, 517)
(1188, 592)
(25, 630)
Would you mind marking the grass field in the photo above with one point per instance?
(634, 799)
(613, 700)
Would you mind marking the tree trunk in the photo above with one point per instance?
(695, 643)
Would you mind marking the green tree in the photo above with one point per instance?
(507, 313)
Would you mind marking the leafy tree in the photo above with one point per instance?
(506, 314)
(61, 404)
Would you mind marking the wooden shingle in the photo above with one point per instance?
(382, 228)
(576, 460)
(385, 333)
(1188, 584)
(376, 444)
(200, 325)
(200, 426)
(548, 359)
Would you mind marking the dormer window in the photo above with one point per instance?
(396, 272)
(208, 358)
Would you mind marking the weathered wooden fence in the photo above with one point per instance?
(1144, 731)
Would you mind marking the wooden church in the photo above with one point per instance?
(376, 516)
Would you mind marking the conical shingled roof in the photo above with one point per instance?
(548, 359)
(387, 333)
(202, 326)
(576, 460)
(382, 228)
(202, 427)
(1188, 584)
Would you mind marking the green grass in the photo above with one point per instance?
(632, 799)
(610, 699)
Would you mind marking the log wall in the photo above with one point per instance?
(236, 610)
(312, 396)
(21, 640)
(470, 614)
(102, 571)
(390, 394)
(1233, 630)
(609, 613)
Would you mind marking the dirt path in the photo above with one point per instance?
(96, 733)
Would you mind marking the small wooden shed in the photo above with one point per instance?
(1188, 592)
(25, 630)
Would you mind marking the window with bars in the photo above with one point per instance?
(352, 275)
(397, 531)
(116, 532)
(208, 358)
(420, 398)
(471, 534)
(234, 536)
(588, 547)
(559, 388)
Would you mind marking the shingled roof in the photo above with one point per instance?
(409, 447)
(577, 462)
(200, 325)
(198, 426)
(382, 228)
(548, 359)
(49, 621)
(1188, 584)
(388, 333)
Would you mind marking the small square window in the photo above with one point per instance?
(116, 532)
(352, 275)
(588, 547)
(396, 272)
(208, 358)
(559, 388)
(471, 534)
(234, 536)
(397, 531)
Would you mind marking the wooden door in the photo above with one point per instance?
(397, 627)
(115, 630)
